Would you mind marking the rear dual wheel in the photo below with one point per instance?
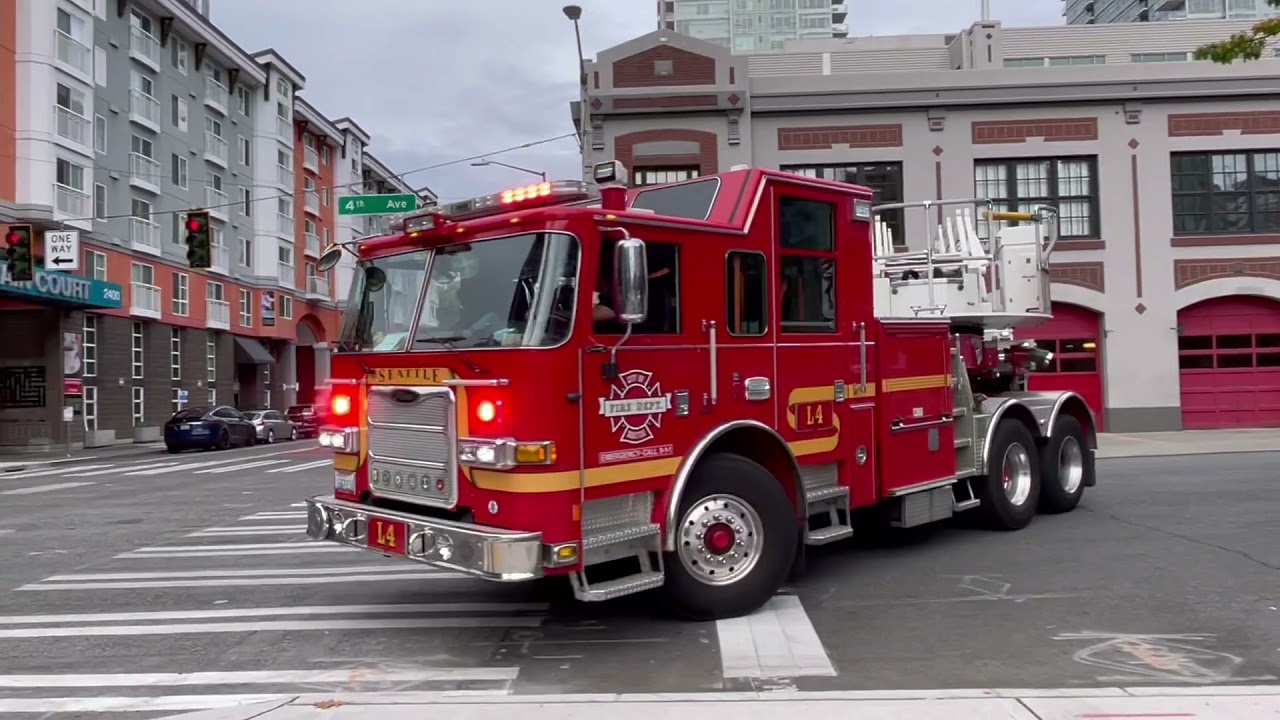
(735, 542)
(1011, 490)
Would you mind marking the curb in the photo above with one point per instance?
(1189, 453)
(107, 453)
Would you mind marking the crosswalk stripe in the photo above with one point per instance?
(239, 582)
(327, 625)
(299, 468)
(163, 467)
(234, 468)
(245, 532)
(300, 550)
(261, 612)
(250, 572)
(51, 471)
(246, 546)
(275, 515)
(250, 677)
(45, 488)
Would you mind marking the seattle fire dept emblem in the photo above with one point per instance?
(635, 406)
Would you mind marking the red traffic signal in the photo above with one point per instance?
(193, 224)
(12, 237)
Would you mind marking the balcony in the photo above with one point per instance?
(285, 225)
(312, 202)
(839, 12)
(144, 47)
(144, 300)
(70, 201)
(144, 235)
(220, 259)
(284, 176)
(318, 287)
(288, 275)
(73, 128)
(216, 96)
(215, 149)
(218, 314)
(311, 159)
(312, 246)
(144, 110)
(217, 203)
(144, 173)
(73, 53)
(284, 129)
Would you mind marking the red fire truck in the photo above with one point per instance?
(682, 386)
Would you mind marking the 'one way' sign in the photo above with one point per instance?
(62, 250)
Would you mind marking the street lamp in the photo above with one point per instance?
(482, 163)
(574, 13)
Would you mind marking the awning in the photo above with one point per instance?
(251, 352)
(65, 289)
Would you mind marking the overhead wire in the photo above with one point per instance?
(338, 186)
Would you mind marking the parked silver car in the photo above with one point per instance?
(272, 425)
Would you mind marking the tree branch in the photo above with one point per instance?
(1246, 46)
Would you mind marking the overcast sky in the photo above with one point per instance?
(437, 80)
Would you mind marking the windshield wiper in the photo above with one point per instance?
(448, 341)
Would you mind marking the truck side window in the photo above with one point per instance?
(807, 265)
(746, 293)
(664, 291)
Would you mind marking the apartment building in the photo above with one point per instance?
(1090, 12)
(126, 115)
(1167, 278)
(754, 26)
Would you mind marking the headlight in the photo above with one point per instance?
(344, 440)
(504, 453)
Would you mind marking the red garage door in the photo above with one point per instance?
(1073, 338)
(1229, 355)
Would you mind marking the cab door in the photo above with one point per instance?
(827, 414)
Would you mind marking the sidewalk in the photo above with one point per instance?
(56, 454)
(1187, 442)
(1232, 702)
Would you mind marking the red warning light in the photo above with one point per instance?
(12, 238)
(193, 224)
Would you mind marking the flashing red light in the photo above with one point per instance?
(340, 405)
(486, 411)
(12, 238)
(193, 224)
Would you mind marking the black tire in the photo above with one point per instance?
(1066, 467)
(173, 450)
(746, 481)
(293, 433)
(224, 439)
(271, 435)
(1000, 511)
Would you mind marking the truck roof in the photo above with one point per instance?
(725, 202)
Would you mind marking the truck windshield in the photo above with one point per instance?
(515, 291)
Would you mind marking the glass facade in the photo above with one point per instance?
(1086, 12)
(754, 26)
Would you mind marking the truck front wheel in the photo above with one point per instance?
(735, 542)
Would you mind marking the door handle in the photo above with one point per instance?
(758, 389)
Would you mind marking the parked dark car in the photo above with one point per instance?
(306, 418)
(208, 428)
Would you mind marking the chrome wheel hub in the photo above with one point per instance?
(1070, 464)
(1016, 474)
(720, 539)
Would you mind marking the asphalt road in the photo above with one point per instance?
(1168, 574)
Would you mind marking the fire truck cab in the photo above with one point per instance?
(683, 386)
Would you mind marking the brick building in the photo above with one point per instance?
(1166, 173)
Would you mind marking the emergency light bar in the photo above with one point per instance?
(542, 194)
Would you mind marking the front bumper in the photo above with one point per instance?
(478, 550)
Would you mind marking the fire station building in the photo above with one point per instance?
(1166, 173)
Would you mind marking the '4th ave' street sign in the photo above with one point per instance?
(376, 204)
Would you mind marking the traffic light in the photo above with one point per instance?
(18, 253)
(199, 251)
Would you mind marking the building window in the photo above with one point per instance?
(246, 308)
(95, 264)
(181, 294)
(100, 134)
(213, 396)
(246, 151)
(1160, 57)
(286, 307)
(242, 100)
(178, 112)
(89, 346)
(1069, 184)
(246, 252)
(266, 386)
(137, 356)
(89, 408)
(884, 179)
(181, 55)
(1230, 193)
(213, 291)
(807, 265)
(175, 353)
(177, 399)
(99, 201)
(139, 407)
(179, 171)
(211, 361)
(661, 176)
(246, 201)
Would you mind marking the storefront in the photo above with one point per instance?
(42, 355)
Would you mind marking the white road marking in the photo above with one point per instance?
(298, 468)
(240, 582)
(261, 612)
(777, 641)
(234, 468)
(50, 471)
(46, 488)
(254, 572)
(302, 549)
(254, 528)
(289, 677)
(328, 625)
(297, 504)
(244, 532)
(275, 516)
(181, 703)
(160, 467)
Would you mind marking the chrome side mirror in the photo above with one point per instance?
(631, 281)
(329, 259)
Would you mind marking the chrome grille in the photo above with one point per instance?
(412, 441)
